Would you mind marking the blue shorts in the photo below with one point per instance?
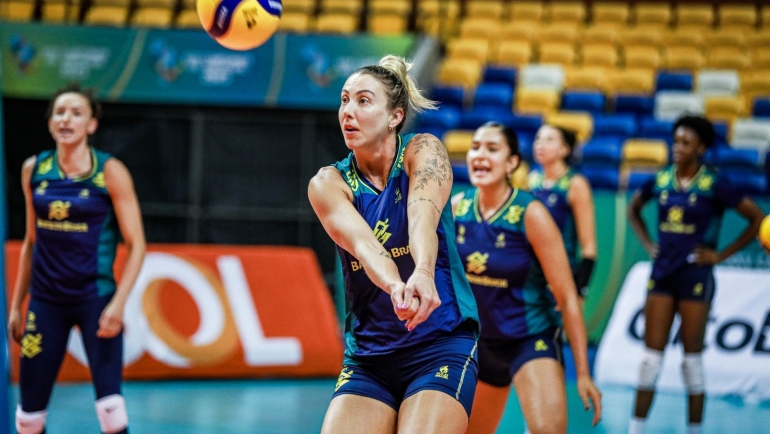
(500, 360)
(447, 364)
(689, 283)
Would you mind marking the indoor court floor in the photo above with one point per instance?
(298, 406)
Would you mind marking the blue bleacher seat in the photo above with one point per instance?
(637, 179)
(721, 130)
(605, 178)
(526, 140)
(748, 181)
(499, 95)
(673, 81)
(470, 120)
(651, 128)
(639, 105)
(460, 173)
(729, 158)
(445, 117)
(436, 131)
(603, 151)
(711, 155)
(500, 74)
(620, 125)
(592, 102)
(761, 108)
(449, 95)
(525, 123)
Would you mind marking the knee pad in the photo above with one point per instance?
(692, 372)
(30, 423)
(650, 369)
(111, 412)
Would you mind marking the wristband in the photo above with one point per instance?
(583, 275)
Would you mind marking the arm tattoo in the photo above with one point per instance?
(436, 169)
(386, 254)
(422, 199)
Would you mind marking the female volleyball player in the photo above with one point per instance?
(410, 363)
(78, 201)
(567, 196)
(511, 250)
(691, 199)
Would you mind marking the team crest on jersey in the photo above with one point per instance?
(99, 180)
(352, 180)
(58, 210)
(443, 372)
(84, 194)
(31, 345)
(705, 183)
(460, 234)
(40, 190)
(477, 262)
(45, 166)
(463, 207)
(552, 198)
(675, 214)
(381, 231)
(540, 345)
(693, 199)
(514, 214)
(663, 179)
(664, 197)
(344, 377)
(500, 241)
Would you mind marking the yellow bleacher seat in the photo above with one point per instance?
(643, 35)
(631, 81)
(457, 143)
(644, 153)
(306, 7)
(525, 32)
(390, 7)
(728, 58)
(652, 13)
(295, 22)
(484, 9)
(512, 53)
(685, 58)
(600, 34)
(643, 56)
(116, 16)
(440, 8)
(737, 15)
(611, 13)
(54, 12)
(188, 19)
(582, 123)
(536, 101)
(188, 4)
(336, 23)
(152, 17)
(485, 28)
(520, 177)
(438, 27)
(341, 7)
(526, 11)
(166, 4)
(725, 108)
(460, 72)
(698, 14)
(475, 49)
(599, 55)
(760, 58)
(17, 11)
(677, 38)
(120, 3)
(566, 12)
(765, 16)
(557, 52)
(755, 84)
(562, 32)
(386, 24)
(723, 38)
(758, 39)
(586, 78)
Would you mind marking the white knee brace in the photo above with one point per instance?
(650, 369)
(692, 372)
(111, 412)
(30, 423)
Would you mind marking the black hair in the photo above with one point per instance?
(88, 94)
(510, 136)
(702, 127)
(569, 138)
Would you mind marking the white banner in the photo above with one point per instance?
(737, 354)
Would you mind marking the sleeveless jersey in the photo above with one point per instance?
(687, 217)
(502, 268)
(555, 199)
(372, 327)
(76, 232)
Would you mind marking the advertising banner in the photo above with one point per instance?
(737, 353)
(218, 312)
(186, 66)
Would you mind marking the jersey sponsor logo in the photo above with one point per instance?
(62, 226)
(463, 207)
(443, 372)
(540, 345)
(344, 377)
(381, 231)
(698, 289)
(500, 241)
(477, 262)
(58, 210)
(99, 180)
(45, 166)
(460, 234)
(673, 223)
(514, 214)
(486, 281)
(705, 182)
(31, 345)
(40, 190)
(352, 180)
(30, 327)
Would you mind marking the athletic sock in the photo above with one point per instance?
(636, 426)
(693, 428)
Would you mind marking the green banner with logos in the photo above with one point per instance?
(186, 66)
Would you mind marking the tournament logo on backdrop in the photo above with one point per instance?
(166, 58)
(22, 51)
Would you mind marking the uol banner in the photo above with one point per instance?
(737, 354)
(219, 311)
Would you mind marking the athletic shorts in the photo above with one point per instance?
(447, 364)
(688, 283)
(500, 360)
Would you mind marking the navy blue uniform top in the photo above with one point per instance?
(372, 327)
(555, 199)
(501, 266)
(76, 232)
(687, 217)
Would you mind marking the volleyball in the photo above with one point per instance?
(240, 24)
(764, 232)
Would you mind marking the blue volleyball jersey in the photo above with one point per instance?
(555, 199)
(502, 269)
(76, 232)
(687, 217)
(372, 327)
